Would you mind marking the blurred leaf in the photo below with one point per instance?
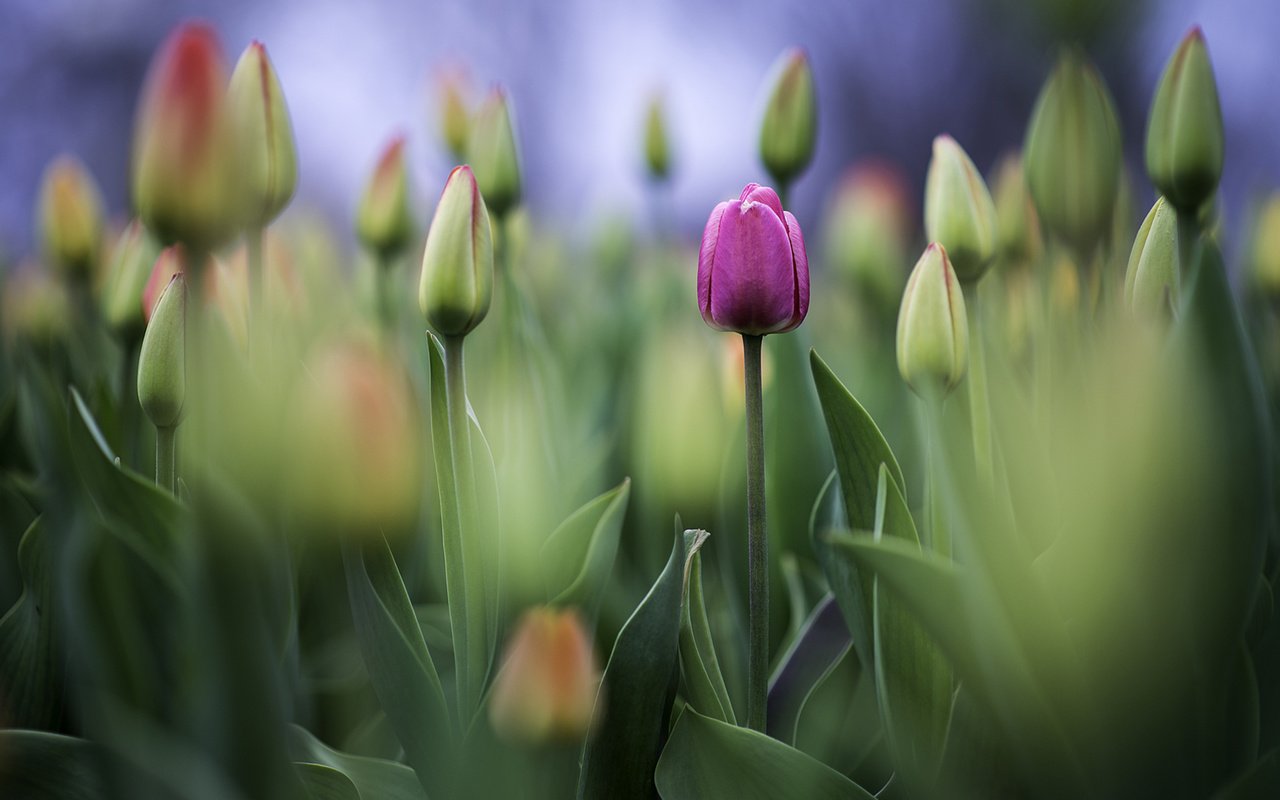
(577, 559)
(1261, 782)
(35, 764)
(325, 783)
(490, 527)
(30, 673)
(373, 778)
(859, 449)
(707, 758)
(703, 682)
(638, 687)
(821, 643)
(400, 667)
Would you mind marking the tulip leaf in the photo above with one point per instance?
(30, 680)
(639, 687)
(400, 667)
(373, 778)
(822, 641)
(859, 449)
(1258, 783)
(320, 782)
(704, 684)
(708, 758)
(49, 765)
(578, 557)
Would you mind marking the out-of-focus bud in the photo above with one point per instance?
(131, 263)
(1152, 280)
(457, 263)
(268, 164)
(1072, 154)
(1064, 289)
(1184, 128)
(1265, 248)
(958, 211)
(226, 291)
(1017, 227)
(355, 463)
(384, 221)
(753, 272)
(185, 175)
(455, 118)
(494, 154)
(790, 123)
(70, 217)
(868, 228)
(547, 688)
(167, 264)
(162, 361)
(35, 306)
(657, 144)
(933, 333)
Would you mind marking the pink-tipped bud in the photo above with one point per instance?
(384, 220)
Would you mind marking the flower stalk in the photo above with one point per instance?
(757, 540)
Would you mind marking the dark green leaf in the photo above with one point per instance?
(30, 675)
(704, 684)
(1260, 782)
(325, 783)
(35, 764)
(823, 640)
(578, 557)
(373, 778)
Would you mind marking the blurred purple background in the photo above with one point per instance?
(890, 76)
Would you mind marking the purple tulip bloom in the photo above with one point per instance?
(753, 274)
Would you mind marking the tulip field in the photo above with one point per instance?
(968, 498)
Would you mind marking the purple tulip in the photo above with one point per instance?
(753, 274)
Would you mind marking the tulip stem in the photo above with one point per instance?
(979, 403)
(938, 533)
(257, 274)
(166, 450)
(1188, 234)
(757, 541)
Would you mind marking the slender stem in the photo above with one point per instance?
(939, 533)
(979, 404)
(757, 541)
(166, 450)
(257, 275)
(1188, 234)
(476, 643)
(384, 269)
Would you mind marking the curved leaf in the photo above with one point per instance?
(325, 783)
(578, 557)
(373, 778)
(822, 642)
(704, 684)
(48, 765)
(30, 675)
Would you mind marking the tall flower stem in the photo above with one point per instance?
(166, 450)
(257, 273)
(979, 402)
(939, 535)
(757, 541)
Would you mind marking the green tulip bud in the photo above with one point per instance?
(455, 119)
(1184, 128)
(457, 264)
(868, 232)
(162, 361)
(70, 217)
(131, 261)
(1265, 248)
(494, 154)
(268, 156)
(657, 147)
(933, 333)
(1017, 226)
(384, 221)
(790, 123)
(958, 211)
(1152, 279)
(1072, 154)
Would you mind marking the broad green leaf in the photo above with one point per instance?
(373, 778)
(859, 450)
(822, 641)
(707, 758)
(30, 673)
(638, 688)
(36, 764)
(400, 668)
(704, 684)
(577, 559)
(325, 783)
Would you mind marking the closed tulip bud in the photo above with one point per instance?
(753, 273)
(1265, 249)
(162, 361)
(868, 230)
(657, 145)
(1152, 279)
(1017, 227)
(494, 155)
(167, 264)
(131, 263)
(547, 688)
(455, 119)
(1072, 154)
(34, 306)
(790, 123)
(1184, 128)
(268, 165)
(185, 171)
(70, 217)
(384, 221)
(958, 211)
(933, 333)
(457, 263)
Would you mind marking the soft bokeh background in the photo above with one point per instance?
(890, 76)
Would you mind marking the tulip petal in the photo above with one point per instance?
(801, 265)
(706, 256)
(755, 287)
(755, 193)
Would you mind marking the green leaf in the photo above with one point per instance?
(704, 684)
(822, 641)
(859, 450)
(578, 557)
(325, 783)
(373, 778)
(30, 674)
(1258, 783)
(638, 688)
(707, 758)
(400, 668)
(36, 764)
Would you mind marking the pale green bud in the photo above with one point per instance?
(384, 221)
(790, 124)
(1152, 280)
(494, 155)
(958, 211)
(131, 261)
(162, 360)
(933, 333)
(657, 146)
(70, 217)
(1017, 226)
(1184, 128)
(268, 165)
(457, 263)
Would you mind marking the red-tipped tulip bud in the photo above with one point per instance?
(70, 217)
(1152, 279)
(268, 165)
(455, 118)
(868, 230)
(457, 263)
(547, 688)
(753, 273)
(1017, 226)
(384, 221)
(131, 262)
(657, 146)
(1184, 128)
(790, 124)
(185, 171)
(958, 211)
(494, 154)
(1072, 154)
(167, 264)
(933, 333)
(162, 360)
